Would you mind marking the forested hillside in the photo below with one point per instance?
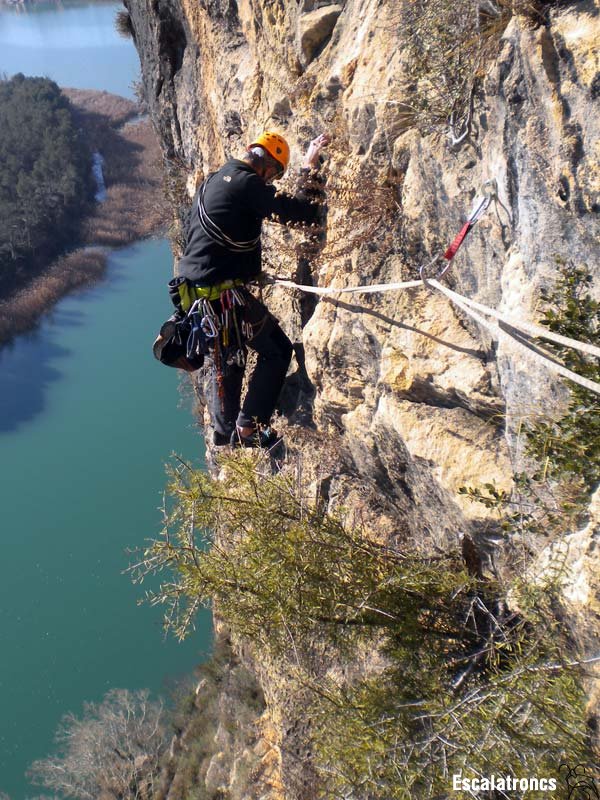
(46, 182)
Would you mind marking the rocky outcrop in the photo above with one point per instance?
(575, 561)
(315, 28)
(416, 397)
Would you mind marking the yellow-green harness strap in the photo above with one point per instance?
(188, 293)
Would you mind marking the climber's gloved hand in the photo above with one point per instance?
(311, 159)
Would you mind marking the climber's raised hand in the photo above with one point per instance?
(311, 159)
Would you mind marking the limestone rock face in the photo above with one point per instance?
(417, 398)
(315, 28)
(575, 560)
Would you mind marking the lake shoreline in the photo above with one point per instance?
(134, 208)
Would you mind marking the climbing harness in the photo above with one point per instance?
(216, 322)
(207, 321)
(184, 292)
(216, 330)
(231, 328)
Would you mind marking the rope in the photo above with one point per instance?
(497, 332)
(526, 327)
(471, 307)
(325, 290)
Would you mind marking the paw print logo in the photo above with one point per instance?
(580, 781)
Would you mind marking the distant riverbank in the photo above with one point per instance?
(134, 207)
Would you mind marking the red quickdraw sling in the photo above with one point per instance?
(480, 206)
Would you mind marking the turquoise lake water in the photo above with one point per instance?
(72, 42)
(88, 419)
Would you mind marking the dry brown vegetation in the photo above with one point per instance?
(132, 171)
(113, 750)
(134, 207)
(107, 108)
(20, 311)
(362, 212)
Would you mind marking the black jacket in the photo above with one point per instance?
(235, 200)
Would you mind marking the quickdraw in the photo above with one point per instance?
(216, 329)
(480, 206)
(222, 329)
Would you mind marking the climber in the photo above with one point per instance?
(222, 255)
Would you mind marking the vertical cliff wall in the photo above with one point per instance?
(413, 396)
(410, 385)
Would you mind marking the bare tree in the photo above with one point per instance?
(112, 752)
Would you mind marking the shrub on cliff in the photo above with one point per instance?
(405, 732)
(462, 683)
(45, 176)
(281, 569)
(448, 46)
(569, 448)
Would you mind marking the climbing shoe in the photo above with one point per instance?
(266, 438)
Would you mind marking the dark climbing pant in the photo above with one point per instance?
(274, 351)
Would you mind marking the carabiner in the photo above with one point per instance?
(209, 327)
(238, 297)
(423, 269)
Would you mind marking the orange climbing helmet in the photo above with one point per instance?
(275, 145)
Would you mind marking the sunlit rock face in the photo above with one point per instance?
(415, 396)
